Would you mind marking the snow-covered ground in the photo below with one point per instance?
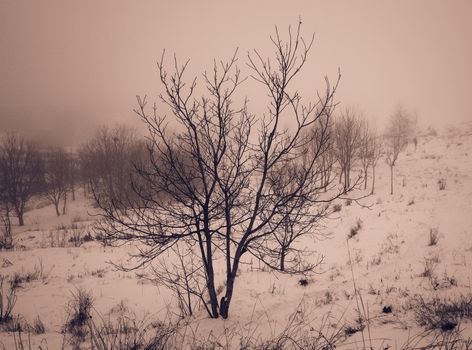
(388, 256)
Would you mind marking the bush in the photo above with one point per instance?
(441, 313)
(8, 300)
(433, 236)
(27, 277)
(337, 208)
(442, 184)
(79, 314)
(38, 326)
(355, 229)
(303, 282)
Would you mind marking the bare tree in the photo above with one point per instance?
(207, 183)
(295, 218)
(398, 135)
(6, 238)
(57, 177)
(377, 152)
(347, 134)
(327, 161)
(107, 160)
(21, 170)
(365, 149)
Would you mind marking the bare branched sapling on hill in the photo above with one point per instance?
(57, 177)
(399, 134)
(376, 153)
(348, 137)
(208, 183)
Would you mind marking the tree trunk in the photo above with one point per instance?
(365, 178)
(212, 291)
(226, 300)
(65, 204)
(56, 205)
(373, 180)
(21, 221)
(391, 179)
(282, 259)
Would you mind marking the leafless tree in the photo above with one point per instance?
(21, 171)
(365, 149)
(57, 177)
(207, 183)
(327, 161)
(6, 238)
(107, 160)
(399, 133)
(295, 218)
(348, 137)
(377, 152)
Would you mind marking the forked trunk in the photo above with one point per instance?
(56, 205)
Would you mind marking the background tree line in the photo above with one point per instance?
(222, 186)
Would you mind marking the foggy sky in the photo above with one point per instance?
(69, 66)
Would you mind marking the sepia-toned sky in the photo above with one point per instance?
(68, 66)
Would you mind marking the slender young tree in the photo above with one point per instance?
(207, 182)
(399, 134)
(348, 136)
(57, 178)
(376, 154)
(365, 149)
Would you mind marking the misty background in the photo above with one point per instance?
(67, 67)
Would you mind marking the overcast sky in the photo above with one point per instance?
(68, 66)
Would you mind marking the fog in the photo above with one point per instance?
(67, 67)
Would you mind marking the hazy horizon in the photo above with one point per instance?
(68, 67)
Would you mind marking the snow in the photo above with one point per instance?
(387, 254)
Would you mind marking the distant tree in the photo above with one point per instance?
(348, 138)
(6, 238)
(377, 152)
(399, 133)
(73, 171)
(327, 160)
(365, 149)
(21, 172)
(207, 183)
(57, 175)
(107, 161)
(294, 218)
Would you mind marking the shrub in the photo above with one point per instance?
(337, 208)
(303, 282)
(441, 313)
(38, 326)
(19, 278)
(87, 237)
(79, 314)
(8, 300)
(442, 184)
(76, 238)
(433, 236)
(355, 229)
(429, 266)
